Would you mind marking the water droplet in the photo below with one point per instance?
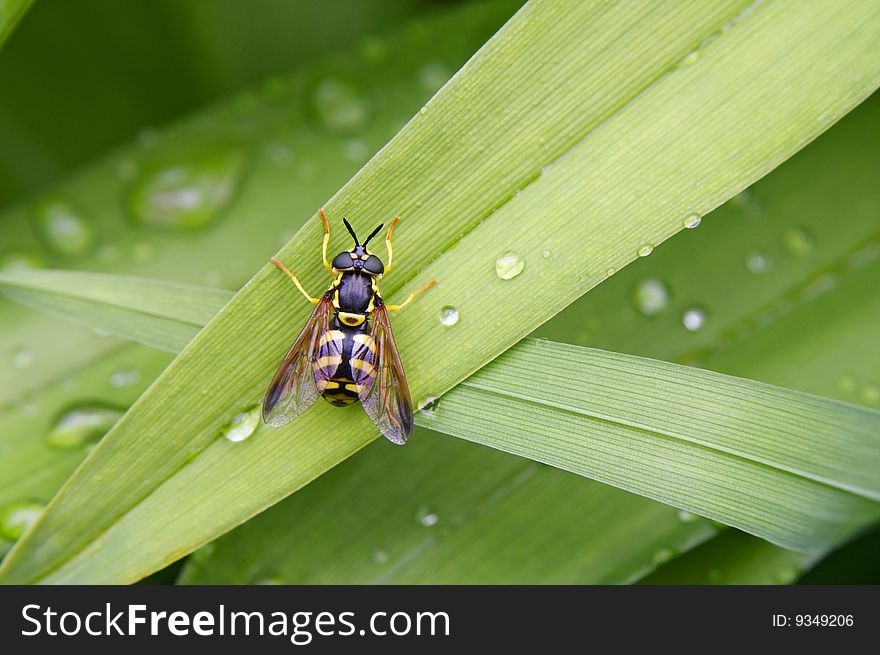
(357, 150)
(871, 393)
(662, 555)
(429, 405)
(694, 319)
(798, 241)
(20, 261)
(651, 296)
(242, 425)
(82, 425)
(143, 251)
(448, 315)
(339, 105)
(22, 357)
(645, 250)
(434, 75)
(686, 517)
(380, 556)
(17, 517)
(124, 377)
(610, 271)
(546, 254)
(187, 194)
(692, 220)
(758, 262)
(690, 59)
(63, 229)
(426, 517)
(847, 383)
(423, 111)
(509, 265)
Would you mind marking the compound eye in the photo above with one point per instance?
(343, 261)
(374, 265)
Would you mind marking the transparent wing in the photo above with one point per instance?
(380, 380)
(305, 369)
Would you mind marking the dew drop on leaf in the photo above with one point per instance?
(20, 261)
(798, 241)
(692, 221)
(847, 383)
(357, 150)
(433, 75)
(758, 262)
(242, 425)
(871, 393)
(62, 228)
(17, 517)
(21, 357)
(82, 425)
(428, 405)
(448, 315)
(186, 194)
(693, 319)
(645, 250)
(651, 296)
(509, 265)
(124, 377)
(690, 59)
(339, 105)
(425, 517)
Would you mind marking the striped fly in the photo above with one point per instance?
(346, 351)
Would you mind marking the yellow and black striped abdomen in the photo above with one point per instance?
(341, 390)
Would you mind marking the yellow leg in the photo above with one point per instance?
(299, 286)
(388, 244)
(326, 241)
(409, 298)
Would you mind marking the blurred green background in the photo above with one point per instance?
(299, 95)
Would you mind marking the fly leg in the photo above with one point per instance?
(409, 298)
(293, 277)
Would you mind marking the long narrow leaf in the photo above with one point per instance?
(701, 131)
(770, 461)
(162, 314)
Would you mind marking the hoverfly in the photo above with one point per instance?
(346, 351)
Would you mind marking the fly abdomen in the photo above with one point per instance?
(341, 389)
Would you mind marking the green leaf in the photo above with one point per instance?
(733, 558)
(11, 11)
(552, 512)
(165, 315)
(697, 129)
(459, 514)
(767, 460)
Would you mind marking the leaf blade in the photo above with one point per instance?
(845, 34)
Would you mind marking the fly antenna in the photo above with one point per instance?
(350, 231)
(373, 233)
